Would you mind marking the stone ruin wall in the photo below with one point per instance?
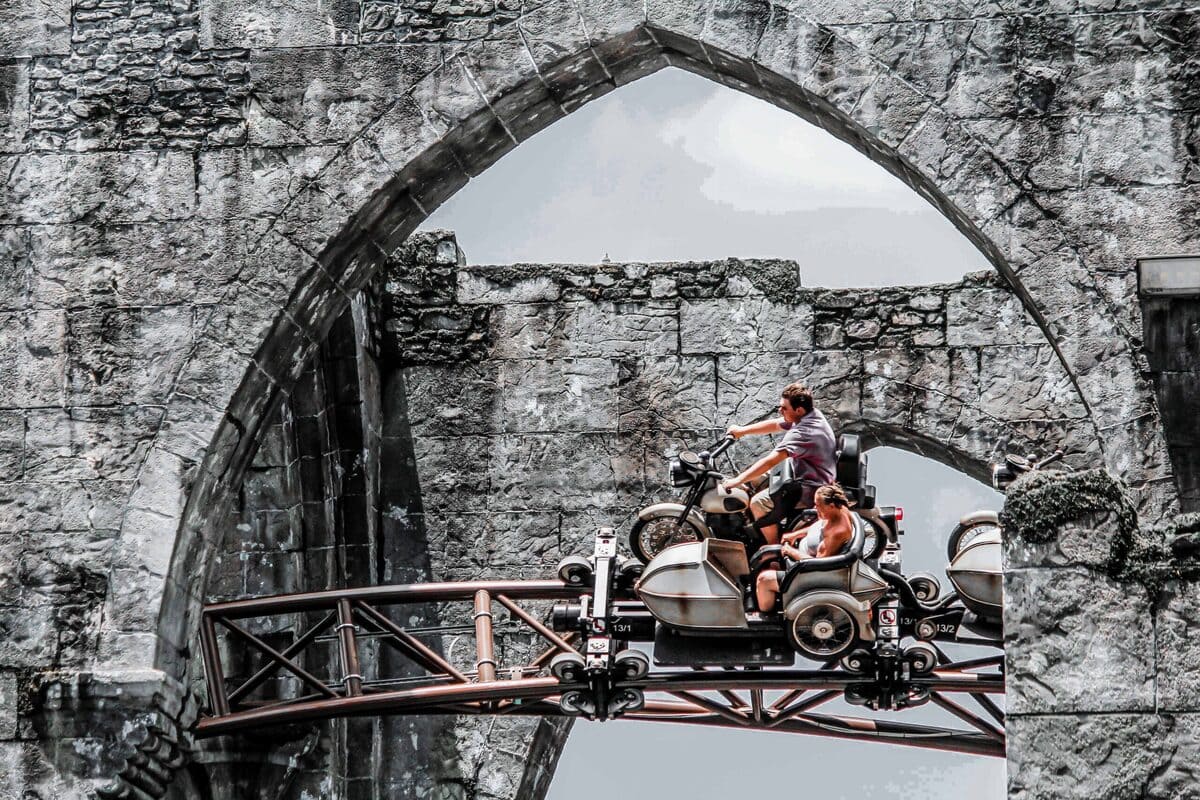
(174, 169)
(521, 407)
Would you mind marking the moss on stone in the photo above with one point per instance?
(1039, 503)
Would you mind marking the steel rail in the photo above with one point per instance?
(422, 697)
(393, 595)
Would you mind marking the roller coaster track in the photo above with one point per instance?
(314, 656)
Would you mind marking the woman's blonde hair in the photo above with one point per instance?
(832, 494)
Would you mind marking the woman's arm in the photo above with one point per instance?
(835, 538)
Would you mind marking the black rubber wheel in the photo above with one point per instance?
(925, 586)
(965, 533)
(633, 665)
(822, 631)
(651, 536)
(874, 541)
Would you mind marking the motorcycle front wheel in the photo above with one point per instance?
(965, 533)
(652, 535)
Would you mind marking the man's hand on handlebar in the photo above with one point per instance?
(735, 432)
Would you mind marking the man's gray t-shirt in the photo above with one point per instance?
(812, 447)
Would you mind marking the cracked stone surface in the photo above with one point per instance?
(192, 191)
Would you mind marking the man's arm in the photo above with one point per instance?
(760, 467)
(756, 428)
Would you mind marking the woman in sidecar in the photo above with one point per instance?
(830, 534)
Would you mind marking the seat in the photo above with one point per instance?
(831, 572)
(851, 471)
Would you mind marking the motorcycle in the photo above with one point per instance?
(709, 511)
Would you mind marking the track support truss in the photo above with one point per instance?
(482, 648)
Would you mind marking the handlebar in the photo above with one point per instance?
(1050, 459)
(721, 446)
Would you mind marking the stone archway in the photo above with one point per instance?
(152, 450)
(466, 113)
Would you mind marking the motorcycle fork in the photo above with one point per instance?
(692, 497)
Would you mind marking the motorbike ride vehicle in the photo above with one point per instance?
(855, 610)
(710, 511)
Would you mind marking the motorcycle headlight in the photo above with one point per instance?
(678, 474)
(1002, 476)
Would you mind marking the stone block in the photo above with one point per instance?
(509, 545)
(1083, 543)
(1076, 641)
(85, 443)
(1135, 148)
(12, 445)
(126, 355)
(445, 399)
(255, 181)
(8, 705)
(841, 74)
(329, 95)
(14, 105)
(1177, 646)
(139, 264)
(575, 394)
(454, 472)
(581, 329)
(562, 471)
(744, 325)
(474, 287)
(28, 637)
(749, 385)
(788, 49)
(46, 188)
(666, 393)
(263, 25)
(34, 29)
(33, 344)
(1026, 382)
(984, 316)
(1106, 756)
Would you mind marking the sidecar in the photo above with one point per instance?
(703, 588)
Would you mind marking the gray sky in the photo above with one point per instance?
(675, 167)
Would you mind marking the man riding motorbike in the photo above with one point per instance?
(808, 441)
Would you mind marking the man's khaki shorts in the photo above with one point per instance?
(762, 503)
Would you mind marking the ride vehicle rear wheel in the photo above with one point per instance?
(822, 631)
(652, 535)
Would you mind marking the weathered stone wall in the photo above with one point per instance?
(1101, 678)
(176, 246)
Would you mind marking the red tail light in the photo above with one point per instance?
(899, 513)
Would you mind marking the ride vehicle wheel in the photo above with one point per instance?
(921, 658)
(575, 571)
(623, 701)
(859, 661)
(567, 667)
(628, 571)
(652, 535)
(577, 703)
(965, 533)
(874, 541)
(925, 586)
(822, 631)
(632, 665)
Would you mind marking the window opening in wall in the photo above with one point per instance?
(676, 167)
(686, 761)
